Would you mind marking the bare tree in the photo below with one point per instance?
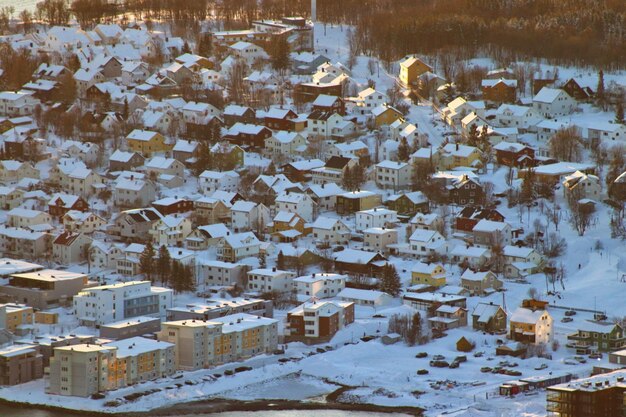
(566, 144)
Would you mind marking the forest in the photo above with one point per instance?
(576, 32)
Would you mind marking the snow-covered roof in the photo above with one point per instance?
(548, 95)
(525, 315)
(358, 294)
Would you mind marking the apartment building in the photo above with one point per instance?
(317, 322)
(319, 285)
(270, 280)
(109, 303)
(140, 359)
(14, 316)
(46, 288)
(202, 344)
(219, 274)
(20, 364)
(220, 307)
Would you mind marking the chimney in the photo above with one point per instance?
(457, 146)
(274, 269)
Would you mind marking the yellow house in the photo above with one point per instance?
(411, 69)
(146, 142)
(455, 155)
(14, 315)
(385, 115)
(428, 274)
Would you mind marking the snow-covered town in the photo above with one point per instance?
(264, 213)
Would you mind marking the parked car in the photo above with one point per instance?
(570, 313)
(439, 364)
(566, 319)
(421, 355)
(438, 357)
(422, 371)
(595, 355)
(454, 365)
(485, 369)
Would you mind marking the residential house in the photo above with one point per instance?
(13, 171)
(301, 171)
(378, 239)
(489, 317)
(103, 255)
(146, 142)
(514, 155)
(134, 224)
(367, 298)
(458, 108)
(521, 261)
(172, 205)
(82, 222)
(408, 204)
(326, 103)
(579, 89)
(133, 193)
(490, 233)
(318, 321)
(580, 185)
(59, 204)
(219, 274)
(280, 119)
(326, 124)
(211, 181)
(353, 201)
(552, 102)
(212, 210)
(17, 103)
(431, 274)
(385, 115)
(475, 257)
(423, 243)
(299, 203)
(480, 283)
(247, 51)
(233, 247)
(375, 217)
(531, 326)
(330, 231)
(454, 155)
(10, 197)
(325, 195)
(266, 280)
(499, 91)
(247, 215)
(170, 230)
(466, 190)
(248, 135)
(448, 317)
(25, 218)
(334, 170)
(206, 236)
(395, 175)
(287, 144)
(238, 114)
(597, 336)
(411, 69)
(70, 248)
(522, 117)
(359, 263)
(20, 364)
(319, 285)
(125, 161)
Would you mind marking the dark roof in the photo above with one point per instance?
(66, 238)
(337, 162)
(320, 115)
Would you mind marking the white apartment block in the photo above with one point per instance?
(110, 303)
(376, 217)
(270, 280)
(319, 285)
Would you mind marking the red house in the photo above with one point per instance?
(247, 135)
(515, 155)
(470, 216)
(499, 91)
(60, 204)
(172, 205)
(280, 119)
(332, 104)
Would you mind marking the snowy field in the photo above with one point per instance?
(20, 5)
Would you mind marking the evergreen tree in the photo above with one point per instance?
(175, 277)
(279, 53)
(205, 47)
(186, 49)
(271, 169)
(403, 150)
(204, 159)
(262, 260)
(472, 135)
(126, 110)
(619, 113)
(600, 96)
(163, 264)
(280, 261)
(188, 281)
(358, 176)
(527, 193)
(146, 261)
(346, 180)
(390, 280)
(414, 331)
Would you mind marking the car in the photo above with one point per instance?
(479, 354)
(570, 362)
(595, 355)
(511, 372)
(439, 364)
(566, 319)
(580, 359)
(570, 313)
(422, 355)
(485, 369)
(540, 367)
(422, 371)
(460, 359)
(438, 357)
(454, 365)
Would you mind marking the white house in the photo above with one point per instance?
(17, 103)
(458, 108)
(264, 280)
(522, 117)
(319, 285)
(22, 217)
(325, 195)
(299, 203)
(170, 230)
(330, 230)
(211, 181)
(535, 326)
(233, 247)
(133, 193)
(390, 174)
(580, 185)
(376, 217)
(247, 51)
(110, 303)
(246, 215)
(426, 242)
(553, 102)
(83, 222)
(285, 143)
(369, 298)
